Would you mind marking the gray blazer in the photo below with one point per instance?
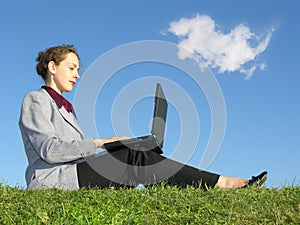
(53, 143)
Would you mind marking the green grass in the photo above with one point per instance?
(155, 205)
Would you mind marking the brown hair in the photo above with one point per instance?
(55, 54)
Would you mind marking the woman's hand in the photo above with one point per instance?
(99, 142)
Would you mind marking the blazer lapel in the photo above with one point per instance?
(69, 119)
(65, 114)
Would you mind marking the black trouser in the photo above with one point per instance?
(128, 168)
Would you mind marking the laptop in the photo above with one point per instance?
(153, 141)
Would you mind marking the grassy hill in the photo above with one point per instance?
(155, 205)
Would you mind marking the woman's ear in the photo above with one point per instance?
(52, 67)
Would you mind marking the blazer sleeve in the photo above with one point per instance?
(37, 125)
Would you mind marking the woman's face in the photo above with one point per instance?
(65, 74)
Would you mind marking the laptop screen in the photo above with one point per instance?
(160, 115)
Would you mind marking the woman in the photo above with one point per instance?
(56, 149)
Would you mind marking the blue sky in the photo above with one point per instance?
(262, 104)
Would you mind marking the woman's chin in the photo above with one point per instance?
(69, 89)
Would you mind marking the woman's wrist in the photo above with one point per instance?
(98, 142)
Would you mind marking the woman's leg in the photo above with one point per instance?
(93, 173)
(90, 178)
(143, 167)
(157, 168)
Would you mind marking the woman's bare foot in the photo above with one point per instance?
(231, 182)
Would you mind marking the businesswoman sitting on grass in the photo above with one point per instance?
(57, 150)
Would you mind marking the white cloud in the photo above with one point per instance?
(226, 52)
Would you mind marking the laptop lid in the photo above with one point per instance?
(159, 115)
